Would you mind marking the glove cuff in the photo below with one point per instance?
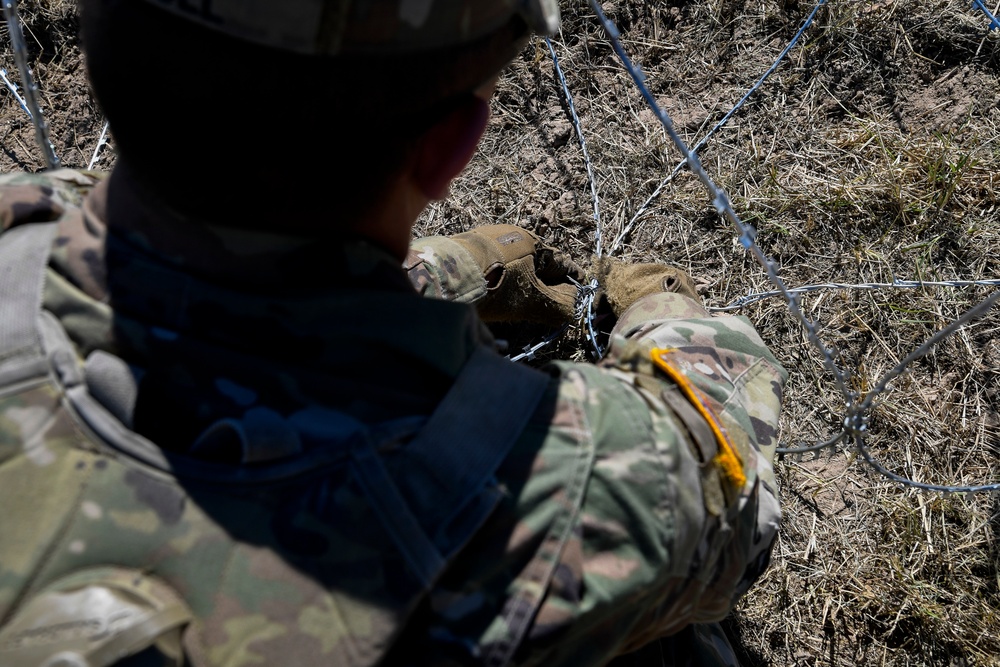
(443, 269)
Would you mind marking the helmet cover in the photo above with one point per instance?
(331, 27)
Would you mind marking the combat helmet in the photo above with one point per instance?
(332, 27)
(348, 81)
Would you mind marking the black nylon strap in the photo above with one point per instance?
(397, 517)
(471, 432)
(24, 254)
(448, 466)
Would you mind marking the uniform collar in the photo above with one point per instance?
(228, 254)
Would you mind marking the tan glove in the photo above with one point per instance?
(623, 284)
(526, 280)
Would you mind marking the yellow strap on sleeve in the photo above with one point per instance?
(727, 459)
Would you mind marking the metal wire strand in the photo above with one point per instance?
(598, 231)
(12, 87)
(101, 141)
(862, 447)
(819, 446)
(529, 351)
(747, 234)
(28, 83)
(968, 316)
(585, 299)
(855, 419)
(627, 229)
(754, 297)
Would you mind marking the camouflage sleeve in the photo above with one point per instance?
(678, 520)
(440, 268)
(42, 196)
(672, 509)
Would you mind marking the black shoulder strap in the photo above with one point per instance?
(24, 254)
(475, 426)
(449, 465)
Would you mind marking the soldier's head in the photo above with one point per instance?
(237, 111)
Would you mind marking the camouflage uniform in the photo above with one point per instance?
(638, 499)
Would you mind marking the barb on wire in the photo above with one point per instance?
(101, 141)
(627, 229)
(584, 311)
(28, 83)
(585, 297)
(747, 299)
(12, 87)
(994, 22)
(529, 351)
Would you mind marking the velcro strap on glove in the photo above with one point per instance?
(495, 246)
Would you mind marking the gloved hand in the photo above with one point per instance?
(526, 280)
(623, 284)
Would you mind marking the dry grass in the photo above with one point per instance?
(873, 152)
(50, 29)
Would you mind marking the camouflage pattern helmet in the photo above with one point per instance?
(331, 27)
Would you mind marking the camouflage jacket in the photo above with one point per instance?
(638, 499)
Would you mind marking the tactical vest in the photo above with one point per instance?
(112, 549)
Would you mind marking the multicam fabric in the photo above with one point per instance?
(610, 529)
(328, 27)
(440, 268)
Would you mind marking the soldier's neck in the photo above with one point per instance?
(218, 249)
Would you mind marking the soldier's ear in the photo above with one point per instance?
(445, 149)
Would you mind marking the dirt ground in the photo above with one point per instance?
(871, 154)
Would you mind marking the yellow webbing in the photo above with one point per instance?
(727, 459)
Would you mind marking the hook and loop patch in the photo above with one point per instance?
(726, 458)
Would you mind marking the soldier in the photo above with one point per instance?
(232, 433)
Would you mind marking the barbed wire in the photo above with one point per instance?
(578, 127)
(754, 297)
(528, 351)
(41, 132)
(586, 293)
(12, 87)
(968, 316)
(720, 200)
(856, 408)
(101, 141)
(797, 452)
(28, 84)
(644, 207)
(586, 297)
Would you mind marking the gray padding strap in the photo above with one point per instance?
(113, 383)
(24, 254)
